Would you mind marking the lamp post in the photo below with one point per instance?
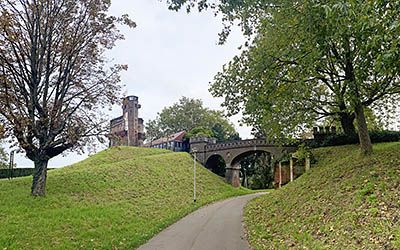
(194, 151)
(11, 166)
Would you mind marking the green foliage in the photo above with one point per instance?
(257, 171)
(385, 136)
(247, 12)
(298, 68)
(116, 199)
(16, 172)
(309, 60)
(303, 152)
(187, 115)
(343, 202)
(200, 131)
(262, 178)
(152, 130)
(3, 159)
(342, 139)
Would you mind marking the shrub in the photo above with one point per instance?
(342, 139)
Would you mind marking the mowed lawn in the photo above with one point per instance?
(116, 199)
(343, 202)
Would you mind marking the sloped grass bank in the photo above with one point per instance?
(116, 199)
(343, 202)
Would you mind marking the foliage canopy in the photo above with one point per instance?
(310, 59)
(191, 116)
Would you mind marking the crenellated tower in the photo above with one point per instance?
(128, 130)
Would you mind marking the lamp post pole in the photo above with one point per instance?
(11, 165)
(194, 174)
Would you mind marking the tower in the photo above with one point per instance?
(130, 109)
(128, 129)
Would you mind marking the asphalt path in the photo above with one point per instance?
(218, 226)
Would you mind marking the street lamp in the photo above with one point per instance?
(194, 151)
(11, 164)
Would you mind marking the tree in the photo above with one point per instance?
(311, 59)
(257, 171)
(189, 115)
(200, 131)
(153, 131)
(54, 79)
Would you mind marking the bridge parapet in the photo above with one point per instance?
(199, 144)
(237, 144)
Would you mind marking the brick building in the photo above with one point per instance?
(128, 129)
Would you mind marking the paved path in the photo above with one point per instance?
(214, 227)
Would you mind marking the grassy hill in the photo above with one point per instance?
(343, 202)
(116, 199)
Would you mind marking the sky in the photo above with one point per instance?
(170, 55)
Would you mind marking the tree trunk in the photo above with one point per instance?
(39, 178)
(347, 122)
(365, 141)
(363, 135)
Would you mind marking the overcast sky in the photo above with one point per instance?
(170, 55)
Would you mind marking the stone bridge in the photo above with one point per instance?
(208, 151)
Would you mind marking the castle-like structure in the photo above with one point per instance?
(128, 129)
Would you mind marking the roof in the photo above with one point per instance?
(117, 120)
(174, 137)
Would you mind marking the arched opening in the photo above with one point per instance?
(216, 164)
(256, 169)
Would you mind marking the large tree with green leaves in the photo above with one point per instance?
(191, 116)
(54, 78)
(311, 59)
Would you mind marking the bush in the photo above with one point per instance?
(16, 172)
(385, 136)
(342, 139)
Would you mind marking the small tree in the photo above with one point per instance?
(53, 75)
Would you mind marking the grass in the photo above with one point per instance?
(343, 202)
(116, 199)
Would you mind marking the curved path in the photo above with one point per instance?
(215, 227)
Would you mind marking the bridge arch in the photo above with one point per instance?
(216, 163)
(236, 160)
(233, 151)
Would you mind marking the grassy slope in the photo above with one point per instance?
(116, 199)
(343, 202)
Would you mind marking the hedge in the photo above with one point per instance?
(16, 172)
(342, 139)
